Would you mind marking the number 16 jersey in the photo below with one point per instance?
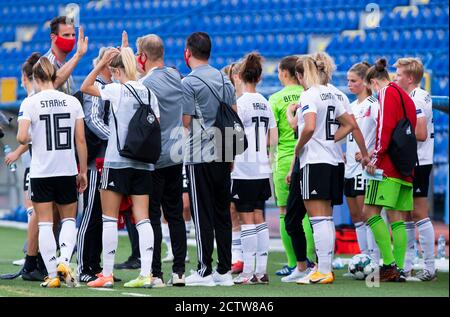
(52, 115)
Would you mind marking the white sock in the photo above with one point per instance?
(67, 239)
(372, 247)
(166, 236)
(146, 242)
(262, 250)
(188, 225)
(47, 247)
(236, 247)
(29, 213)
(249, 242)
(361, 235)
(426, 239)
(333, 229)
(324, 242)
(411, 235)
(110, 240)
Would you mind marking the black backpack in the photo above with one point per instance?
(143, 141)
(228, 119)
(403, 147)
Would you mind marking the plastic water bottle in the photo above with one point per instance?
(441, 247)
(7, 150)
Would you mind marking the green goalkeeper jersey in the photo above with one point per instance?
(279, 102)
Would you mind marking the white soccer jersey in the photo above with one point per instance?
(424, 108)
(256, 115)
(321, 148)
(342, 99)
(366, 115)
(124, 105)
(52, 115)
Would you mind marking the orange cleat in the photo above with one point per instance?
(102, 281)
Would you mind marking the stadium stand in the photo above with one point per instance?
(275, 28)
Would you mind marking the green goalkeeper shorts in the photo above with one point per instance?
(279, 181)
(391, 193)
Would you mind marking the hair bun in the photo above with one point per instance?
(381, 64)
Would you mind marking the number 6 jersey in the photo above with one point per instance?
(321, 148)
(52, 115)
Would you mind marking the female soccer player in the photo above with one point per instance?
(30, 270)
(395, 191)
(409, 75)
(319, 130)
(122, 176)
(56, 122)
(251, 186)
(365, 109)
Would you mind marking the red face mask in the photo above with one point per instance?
(142, 62)
(186, 59)
(65, 45)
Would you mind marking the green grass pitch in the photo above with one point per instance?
(12, 242)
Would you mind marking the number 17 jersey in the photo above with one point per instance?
(52, 115)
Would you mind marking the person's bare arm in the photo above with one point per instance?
(421, 129)
(22, 133)
(88, 86)
(80, 142)
(292, 118)
(16, 154)
(66, 70)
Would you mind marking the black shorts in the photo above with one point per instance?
(127, 181)
(321, 182)
(62, 190)
(355, 186)
(250, 194)
(338, 198)
(26, 179)
(421, 181)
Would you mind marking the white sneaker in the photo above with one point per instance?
(20, 262)
(295, 275)
(223, 279)
(196, 280)
(168, 257)
(157, 282)
(305, 279)
(177, 280)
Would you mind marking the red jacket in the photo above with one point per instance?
(390, 114)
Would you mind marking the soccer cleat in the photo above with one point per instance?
(141, 282)
(319, 278)
(158, 282)
(51, 282)
(262, 279)
(102, 281)
(65, 273)
(295, 275)
(389, 273)
(285, 271)
(237, 267)
(177, 279)
(423, 276)
(196, 279)
(403, 276)
(245, 279)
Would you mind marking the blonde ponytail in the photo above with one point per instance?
(306, 66)
(126, 61)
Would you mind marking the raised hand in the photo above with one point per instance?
(82, 44)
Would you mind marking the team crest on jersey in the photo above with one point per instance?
(150, 118)
(237, 127)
